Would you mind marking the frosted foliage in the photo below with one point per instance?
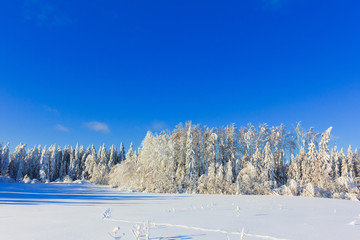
(1, 155)
(5, 159)
(44, 165)
(308, 191)
(196, 159)
(190, 162)
(350, 163)
(19, 159)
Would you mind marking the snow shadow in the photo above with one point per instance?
(67, 193)
(180, 237)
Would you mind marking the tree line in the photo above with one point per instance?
(196, 159)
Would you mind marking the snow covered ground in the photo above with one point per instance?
(85, 211)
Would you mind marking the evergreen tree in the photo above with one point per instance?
(211, 183)
(209, 148)
(131, 154)
(230, 147)
(65, 162)
(268, 164)
(121, 153)
(90, 163)
(178, 139)
(219, 180)
(19, 160)
(293, 171)
(335, 163)
(52, 171)
(73, 163)
(350, 162)
(44, 165)
(310, 175)
(322, 171)
(190, 162)
(1, 162)
(5, 159)
(344, 165)
(197, 159)
(113, 158)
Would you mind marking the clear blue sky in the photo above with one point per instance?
(107, 71)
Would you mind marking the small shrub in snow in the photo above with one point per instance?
(294, 187)
(141, 231)
(26, 179)
(286, 191)
(34, 181)
(79, 181)
(67, 179)
(308, 191)
(337, 196)
(351, 196)
(107, 214)
(116, 233)
(242, 234)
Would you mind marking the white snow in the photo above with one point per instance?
(60, 211)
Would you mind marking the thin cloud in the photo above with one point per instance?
(61, 128)
(158, 126)
(44, 13)
(273, 4)
(97, 126)
(50, 109)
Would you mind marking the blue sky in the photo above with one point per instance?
(107, 71)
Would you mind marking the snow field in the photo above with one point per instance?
(76, 211)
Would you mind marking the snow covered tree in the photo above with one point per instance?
(209, 148)
(229, 179)
(53, 170)
(350, 162)
(131, 154)
(335, 163)
(310, 173)
(249, 181)
(268, 165)
(249, 138)
(293, 170)
(16, 161)
(178, 139)
(146, 167)
(19, 160)
(122, 153)
(90, 164)
(190, 162)
(221, 151)
(344, 166)
(322, 166)
(230, 147)
(192, 158)
(84, 154)
(101, 171)
(74, 167)
(256, 159)
(211, 179)
(113, 158)
(44, 165)
(32, 160)
(0, 156)
(219, 180)
(5, 159)
(357, 165)
(165, 171)
(65, 162)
